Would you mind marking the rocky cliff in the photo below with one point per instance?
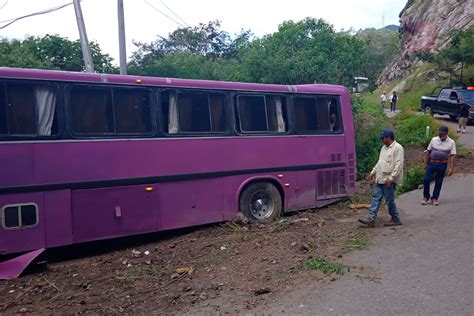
(426, 25)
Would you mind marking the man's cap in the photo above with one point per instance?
(387, 133)
(443, 129)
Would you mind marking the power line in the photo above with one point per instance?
(162, 13)
(174, 13)
(11, 21)
(3, 6)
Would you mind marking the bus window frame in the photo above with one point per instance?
(237, 122)
(58, 111)
(228, 126)
(75, 135)
(315, 97)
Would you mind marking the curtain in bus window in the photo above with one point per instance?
(173, 114)
(132, 111)
(46, 102)
(21, 109)
(276, 119)
(92, 111)
(217, 109)
(3, 111)
(334, 116)
(252, 113)
(323, 105)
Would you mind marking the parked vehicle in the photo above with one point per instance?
(86, 157)
(448, 101)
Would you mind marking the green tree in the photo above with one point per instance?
(306, 51)
(380, 45)
(52, 52)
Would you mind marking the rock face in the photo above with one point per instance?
(426, 25)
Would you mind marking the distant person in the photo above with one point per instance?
(439, 158)
(383, 100)
(393, 101)
(463, 116)
(388, 173)
(333, 122)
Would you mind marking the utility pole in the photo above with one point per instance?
(121, 31)
(83, 36)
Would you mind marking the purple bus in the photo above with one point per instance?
(86, 157)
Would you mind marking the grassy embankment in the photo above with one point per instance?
(410, 128)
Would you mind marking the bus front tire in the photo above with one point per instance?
(261, 201)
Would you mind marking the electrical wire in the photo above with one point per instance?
(11, 21)
(174, 13)
(162, 13)
(3, 6)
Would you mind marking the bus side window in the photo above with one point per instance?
(132, 111)
(262, 113)
(91, 110)
(305, 114)
(27, 109)
(193, 112)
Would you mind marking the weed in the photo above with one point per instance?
(413, 178)
(357, 242)
(234, 227)
(139, 271)
(327, 267)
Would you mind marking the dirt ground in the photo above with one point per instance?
(226, 268)
(236, 267)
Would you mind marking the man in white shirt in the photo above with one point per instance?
(383, 100)
(388, 173)
(439, 158)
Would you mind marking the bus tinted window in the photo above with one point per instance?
(317, 114)
(193, 112)
(94, 113)
(91, 110)
(305, 114)
(27, 109)
(262, 113)
(132, 111)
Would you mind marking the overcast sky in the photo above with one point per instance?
(143, 23)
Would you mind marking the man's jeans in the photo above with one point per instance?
(381, 191)
(436, 171)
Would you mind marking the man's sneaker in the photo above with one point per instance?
(424, 201)
(459, 131)
(464, 131)
(393, 223)
(368, 222)
(435, 202)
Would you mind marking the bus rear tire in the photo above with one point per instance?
(261, 201)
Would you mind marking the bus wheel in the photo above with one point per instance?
(261, 201)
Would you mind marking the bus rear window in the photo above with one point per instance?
(27, 110)
(317, 114)
(261, 113)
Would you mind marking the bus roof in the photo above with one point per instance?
(69, 76)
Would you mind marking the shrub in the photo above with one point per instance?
(369, 121)
(413, 178)
(410, 129)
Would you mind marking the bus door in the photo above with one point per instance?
(114, 211)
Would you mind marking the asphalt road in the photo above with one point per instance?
(424, 267)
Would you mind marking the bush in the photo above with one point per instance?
(410, 129)
(413, 178)
(369, 121)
